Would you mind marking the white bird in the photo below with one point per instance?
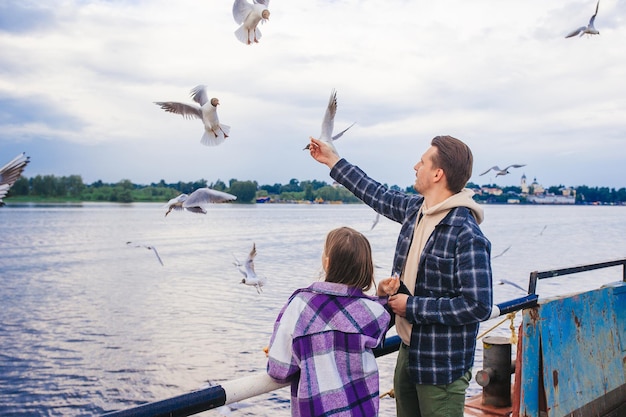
(503, 171)
(501, 253)
(11, 172)
(198, 200)
(328, 123)
(149, 247)
(506, 281)
(375, 222)
(589, 29)
(250, 276)
(249, 16)
(214, 132)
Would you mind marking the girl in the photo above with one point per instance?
(324, 335)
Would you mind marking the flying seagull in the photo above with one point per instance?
(11, 172)
(501, 253)
(506, 281)
(149, 247)
(250, 277)
(503, 171)
(375, 222)
(328, 123)
(249, 16)
(196, 201)
(589, 29)
(214, 132)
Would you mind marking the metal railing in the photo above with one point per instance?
(236, 390)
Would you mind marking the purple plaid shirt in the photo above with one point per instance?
(322, 343)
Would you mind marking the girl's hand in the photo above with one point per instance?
(389, 286)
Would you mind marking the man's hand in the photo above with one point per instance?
(398, 304)
(321, 152)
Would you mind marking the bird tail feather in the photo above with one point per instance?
(209, 139)
(242, 34)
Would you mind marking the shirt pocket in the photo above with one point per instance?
(439, 276)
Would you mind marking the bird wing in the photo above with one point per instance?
(265, 3)
(593, 18)
(176, 200)
(186, 110)
(156, 253)
(493, 167)
(198, 94)
(4, 189)
(501, 253)
(329, 117)
(10, 172)
(250, 262)
(340, 134)
(576, 32)
(514, 166)
(203, 196)
(376, 219)
(241, 9)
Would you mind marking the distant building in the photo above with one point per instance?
(540, 196)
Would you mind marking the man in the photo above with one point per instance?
(443, 260)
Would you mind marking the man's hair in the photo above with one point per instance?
(456, 160)
(349, 258)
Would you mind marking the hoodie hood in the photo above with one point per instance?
(460, 199)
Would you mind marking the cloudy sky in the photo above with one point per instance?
(79, 78)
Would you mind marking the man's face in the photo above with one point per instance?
(424, 171)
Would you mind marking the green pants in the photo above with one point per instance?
(417, 400)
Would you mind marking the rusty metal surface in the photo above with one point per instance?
(573, 352)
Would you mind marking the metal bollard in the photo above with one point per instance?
(495, 377)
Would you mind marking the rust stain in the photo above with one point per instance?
(577, 321)
(555, 378)
(534, 314)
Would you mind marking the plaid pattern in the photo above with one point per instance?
(453, 290)
(322, 343)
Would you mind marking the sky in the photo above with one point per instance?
(79, 78)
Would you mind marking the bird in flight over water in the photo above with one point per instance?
(149, 247)
(11, 172)
(503, 171)
(198, 200)
(250, 276)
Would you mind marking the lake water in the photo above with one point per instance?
(90, 325)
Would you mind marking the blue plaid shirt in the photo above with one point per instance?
(453, 290)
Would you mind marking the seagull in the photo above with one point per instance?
(249, 15)
(214, 132)
(589, 29)
(503, 171)
(196, 201)
(328, 123)
(506, 281)
(250, 277)
(501, 253)
(11, 172)
(149, 247)
(375, 222)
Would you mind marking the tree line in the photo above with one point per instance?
(72, 188)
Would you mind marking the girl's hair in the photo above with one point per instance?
(349, 258)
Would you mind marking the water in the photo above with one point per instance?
(90, 325)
